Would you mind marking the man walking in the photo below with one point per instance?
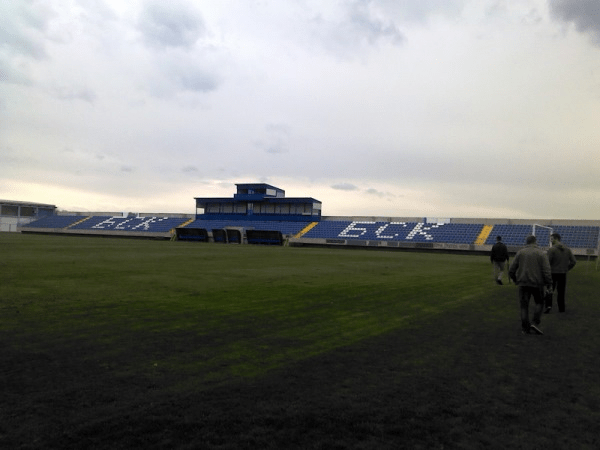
(499, 256)
(561, 261)
(530, 270)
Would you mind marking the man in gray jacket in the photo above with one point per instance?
(530, 270)
(561, 261)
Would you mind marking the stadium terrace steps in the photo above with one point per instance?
(186, 223)
(78, 222)
(485, 232)
(306, 229)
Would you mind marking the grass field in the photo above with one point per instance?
(116, 343)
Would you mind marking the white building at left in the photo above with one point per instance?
(16, 213)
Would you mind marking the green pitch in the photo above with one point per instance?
(119, 343)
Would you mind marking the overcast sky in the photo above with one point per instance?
(436, 108)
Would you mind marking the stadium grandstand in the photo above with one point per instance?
(261, 214)
(15, 213)
(109, 224)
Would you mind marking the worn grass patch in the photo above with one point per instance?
(112, 343)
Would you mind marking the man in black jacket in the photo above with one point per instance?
(499, 257)
(561, 261)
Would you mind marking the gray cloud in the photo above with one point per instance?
(584, 14)
(422, 10)
(183, 64)
(22, 24)
(278, 128)
(97, 10)
(276, 148)
(192, 171)
(192, 78)
(9, 75)
(379, 194)
(170, 24)
(74, 93)
(365, 23)
(273, 146)
(358, 25)
(276, 140)
(178, 71)
(21, 43)
(344, 187)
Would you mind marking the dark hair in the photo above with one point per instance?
(555, 236)
(530, 240)
(498, 238)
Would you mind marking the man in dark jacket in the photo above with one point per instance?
(530, 270)
(561, 261)
(499, 256)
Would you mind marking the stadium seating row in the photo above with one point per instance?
(286, 228)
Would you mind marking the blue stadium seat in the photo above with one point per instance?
(572, 236)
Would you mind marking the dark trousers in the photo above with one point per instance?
(559, 285)
(525, 294)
